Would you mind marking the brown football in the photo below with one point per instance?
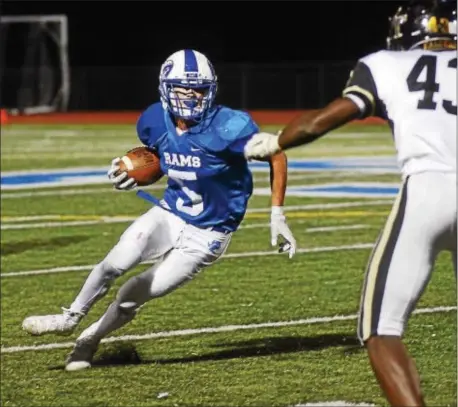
(141, 164)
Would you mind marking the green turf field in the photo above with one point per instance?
(256, 329)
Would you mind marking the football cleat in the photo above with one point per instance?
(60, 324)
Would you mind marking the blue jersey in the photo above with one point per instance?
(209, 182)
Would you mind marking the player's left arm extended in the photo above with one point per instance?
(313, 124)
(278, 179)
(305, 128)
(359, 99)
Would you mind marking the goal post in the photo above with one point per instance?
(35, 72)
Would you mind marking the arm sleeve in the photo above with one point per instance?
(238, 145)
(142, 130)
(361, 88)
(151, 125)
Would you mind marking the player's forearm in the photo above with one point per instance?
(301, 130)
(278, 178)
(313, 124)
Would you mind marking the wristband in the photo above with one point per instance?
(277, 210)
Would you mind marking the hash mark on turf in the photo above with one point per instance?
(227, 256)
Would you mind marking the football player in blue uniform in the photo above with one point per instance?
(201, 148)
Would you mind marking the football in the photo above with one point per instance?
(141, 164)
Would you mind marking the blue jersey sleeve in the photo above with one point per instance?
(244, 135)
(142, 129)
(151, 125)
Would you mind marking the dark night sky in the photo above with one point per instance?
(146, 32)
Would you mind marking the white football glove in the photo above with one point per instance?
(279, 227)
(262, 145)
(121, 182)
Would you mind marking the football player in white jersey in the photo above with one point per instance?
(413, 86)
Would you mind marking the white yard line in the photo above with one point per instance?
(287, 208)
(309, 230)
(360, 135)
(30, 218)
(50, 171)
(127, 219)
(346, 149)
(334, 228)
(102, 153)
(88, 191)
(224, 328)
(369, 202)
(325, 174)
(127, 131)
(49, 225)
(63, 192)
(67, 269)
(108, 150)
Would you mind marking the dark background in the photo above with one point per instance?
(267, 54)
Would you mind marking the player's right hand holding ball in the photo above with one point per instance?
(120, 180)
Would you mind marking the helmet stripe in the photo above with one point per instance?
(190, 61)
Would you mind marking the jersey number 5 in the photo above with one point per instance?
(196, 205)
(429, 86)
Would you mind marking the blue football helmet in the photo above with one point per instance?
(187, 85)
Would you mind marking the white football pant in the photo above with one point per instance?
(421, 224)
(182, 251)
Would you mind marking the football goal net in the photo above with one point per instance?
(35, 74)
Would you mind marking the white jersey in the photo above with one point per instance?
(416, 92)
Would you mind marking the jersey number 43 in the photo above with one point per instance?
(429, 86)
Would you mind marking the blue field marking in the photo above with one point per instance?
(53, 178)
(98, 175)
(379, 164)
(32, 179)
(342, 190)
(353, 189)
